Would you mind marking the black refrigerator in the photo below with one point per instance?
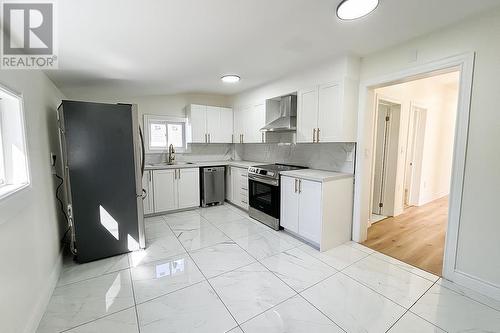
(103, 161)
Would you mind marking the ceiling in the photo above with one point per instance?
(130, 47)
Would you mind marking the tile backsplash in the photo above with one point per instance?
(197, 152)
(324, 156)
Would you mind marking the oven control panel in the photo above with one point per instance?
(262, 172)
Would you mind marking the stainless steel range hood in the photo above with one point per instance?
(287, 121)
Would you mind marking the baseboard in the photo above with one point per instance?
(476, 284)
(44, 298)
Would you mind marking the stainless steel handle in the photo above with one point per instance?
(150, 176)
(263, 180)
(206, 138)
(314, 135)
(262, 137)
(179, 173)
(300, 185)
(296, 180)
(232, 138)
(317, 136)
(175, 173)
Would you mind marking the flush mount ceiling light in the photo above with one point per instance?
(230, 78)
(354, 9)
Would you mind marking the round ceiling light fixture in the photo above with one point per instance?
(354, 9)
(230, 78)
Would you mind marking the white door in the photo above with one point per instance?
(225, 134)
(213, 124)
(330, 113)
(307, 114)
(289, 216)
(188, 187)
(147, 185)
(310, 216)
(164, 190)
(198, 123)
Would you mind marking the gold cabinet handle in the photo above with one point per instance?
(296, 180)
(300, 185)
(317, 136)
(314, 135)
(206, 138)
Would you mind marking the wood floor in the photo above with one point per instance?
(415, 237)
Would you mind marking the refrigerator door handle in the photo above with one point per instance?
(143, 153)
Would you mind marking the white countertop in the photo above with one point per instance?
(199, 164)
(316, 175)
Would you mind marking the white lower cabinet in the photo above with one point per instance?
(147, 185)
(176, 189)
(239, 186)
(319, 212)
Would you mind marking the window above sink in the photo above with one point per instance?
(162, 131)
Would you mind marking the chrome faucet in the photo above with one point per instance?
(171, 154)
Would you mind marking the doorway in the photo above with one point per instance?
(412, 166)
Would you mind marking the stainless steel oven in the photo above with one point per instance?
(264, 193)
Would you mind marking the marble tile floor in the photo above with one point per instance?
(217, 270)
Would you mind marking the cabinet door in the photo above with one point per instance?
(188, 187)
(307, 114)
(330, 113)
(255, 120)
(147, 185)
(289, 217)
(310, 216)
(213, 124)
(229, 185)
(235, 182)
(225, 132)
(198, 123)
(164, 190)
(239, 123)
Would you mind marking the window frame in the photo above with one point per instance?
(3, 179)
(10, 186)
(150, 119)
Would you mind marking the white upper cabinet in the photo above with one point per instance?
(248, 120)
(307, 114)
(197, 118)
(327, 112)
(210, 124)
(330, 113)
(225, 133)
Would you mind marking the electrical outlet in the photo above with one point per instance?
(350, 156)
(53, 158)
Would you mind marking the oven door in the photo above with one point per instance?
(264, 195)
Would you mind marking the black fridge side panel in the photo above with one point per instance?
(100, 159)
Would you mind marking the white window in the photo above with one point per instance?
(13, 157)
(163, 131)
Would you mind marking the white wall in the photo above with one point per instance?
(439, 96)
(478, 245)
(29, 228)
(171, 105)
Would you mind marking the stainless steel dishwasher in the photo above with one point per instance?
(212, 186)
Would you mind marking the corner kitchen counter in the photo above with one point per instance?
(183, 165)
(316, 175)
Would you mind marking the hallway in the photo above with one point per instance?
(415, 237)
